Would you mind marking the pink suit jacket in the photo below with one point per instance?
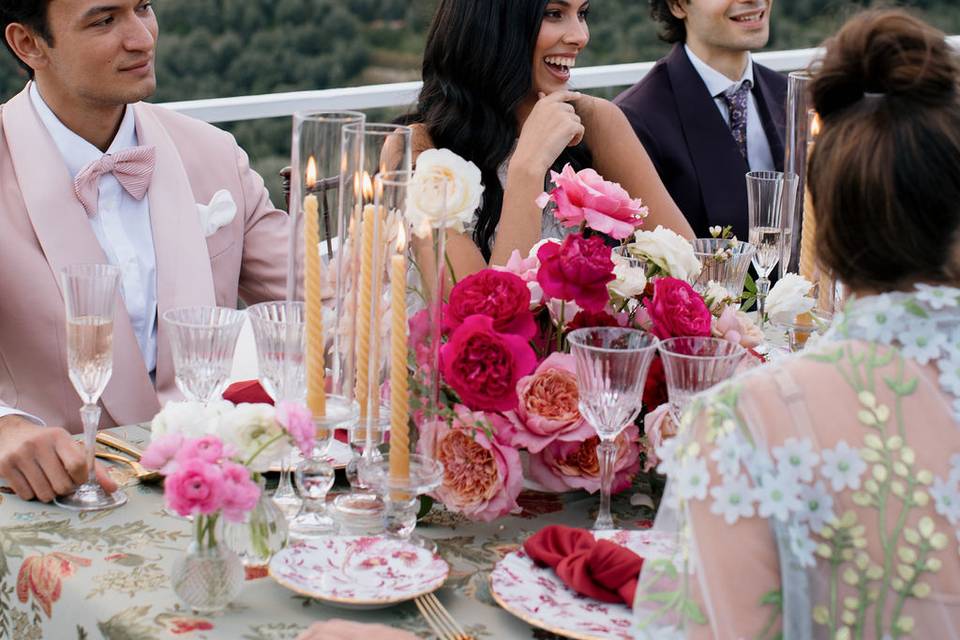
(43, 228)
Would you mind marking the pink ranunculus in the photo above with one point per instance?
(420, 339)
(548, 408)
(658, 427)
(482, 477)
(240, 492)
(298, 422)
(501, 295)
(562, 466)
(585, 196)
(578, 270)
(484, 366)
(208, 448)
(736, 326)
(677, 311)
(162, 453)
(196, 487)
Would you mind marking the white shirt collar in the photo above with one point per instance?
(77, 152)
(716, 82)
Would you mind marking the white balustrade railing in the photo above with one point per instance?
(404, 94)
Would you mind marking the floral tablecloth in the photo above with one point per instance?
(66, 576)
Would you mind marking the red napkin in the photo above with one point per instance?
(599, 569)
(252, 392)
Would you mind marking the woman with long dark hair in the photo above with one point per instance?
(495, 91)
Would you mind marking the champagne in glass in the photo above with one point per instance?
(767, 241)
(90, 293)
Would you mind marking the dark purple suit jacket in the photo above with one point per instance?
(691, 146)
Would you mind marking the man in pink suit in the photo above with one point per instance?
(199, 229)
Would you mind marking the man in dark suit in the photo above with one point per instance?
(707, 113)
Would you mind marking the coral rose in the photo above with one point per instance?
(501, 295)
(578, 270)
(484, 366)
(482, 477)
(677, 311)
(548, 409)
(562, 466)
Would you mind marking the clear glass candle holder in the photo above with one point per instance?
(359, 514)
(401, 494)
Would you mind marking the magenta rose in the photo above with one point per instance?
(548, 406)
(578, 270)
(585, 196)
(483, 366)
(501, 295)
(562, 466)
(482, 477)
(677, 311)
(196, 487)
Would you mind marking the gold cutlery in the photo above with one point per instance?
(440, 619)
(120, 445)
(142, 474)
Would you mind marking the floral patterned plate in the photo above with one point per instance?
(339, 454)
(359, 572)
(538, 597)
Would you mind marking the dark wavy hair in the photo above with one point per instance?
(476, 72)
(672, 28)
(30, 13)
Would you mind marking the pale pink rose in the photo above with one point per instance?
(562, 466)
(736, 326)
(162, 453)
(196, 487)
(240, 493)
(548, 408)
(482, 477)
(298, 422)
(658, 427)
(526, 268)
(208, 448)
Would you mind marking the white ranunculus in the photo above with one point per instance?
(631, 281)
(717, 297)
(190, 419)
(248, 428)
(788, 299)
(671, 252)
(445, 192)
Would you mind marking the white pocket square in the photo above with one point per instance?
(218, 213)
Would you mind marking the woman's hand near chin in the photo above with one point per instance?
(552, 126)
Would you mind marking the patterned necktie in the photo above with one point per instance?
(133, 169)
(736, 100)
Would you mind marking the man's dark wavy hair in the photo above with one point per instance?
(30, 13)
(476, 72)
(672, 28)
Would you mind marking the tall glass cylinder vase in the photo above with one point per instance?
(797, 146)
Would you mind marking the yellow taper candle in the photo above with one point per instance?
(364, 309)
(808, 239)
(399, 393)
(313, 297)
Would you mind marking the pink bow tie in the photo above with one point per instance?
(132, 168)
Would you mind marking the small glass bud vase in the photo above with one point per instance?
(263, 533)
(209, 576)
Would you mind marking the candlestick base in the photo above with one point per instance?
(401, 495)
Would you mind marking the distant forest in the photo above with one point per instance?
(220, 48)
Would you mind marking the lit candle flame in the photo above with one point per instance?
(815, 125)
(401, 239)
(367, 187)
(311, 173)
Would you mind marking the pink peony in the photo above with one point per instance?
(481, 477)
(208, 448)
(162, 452)
(585, 196)
(677, 311)
(484, 366)
(587, 319)
(240, 492)
(658, 427)
(736, 326)
(562, 466)
(548, 408)
(196, 487)
(501, 295)
(578, 270)
(298, 422)
(524, 268)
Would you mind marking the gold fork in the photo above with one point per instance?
(141, 473)
(440, 619)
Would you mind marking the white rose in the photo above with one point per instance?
(442, 177)
(671, 252)
(248, 428)
(717, 297)
(631, 281)
(788, 299)
(189, 419)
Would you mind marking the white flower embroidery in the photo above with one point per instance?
(802, 545)
(731, 450)
(693, 479)
(937, 297)
(880, 319)
(950, 372)
(796, 457)
(817, 508)
(667, 452)
(946, 498)
(779, 496)
(842, 466)
(921, 341)
(955, 468)
(733, 499)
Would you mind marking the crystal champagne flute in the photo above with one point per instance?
(770, 197)
(90, 293)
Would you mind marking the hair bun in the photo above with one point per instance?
(888, 54)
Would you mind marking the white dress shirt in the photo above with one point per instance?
(759, 156)
(122, 226)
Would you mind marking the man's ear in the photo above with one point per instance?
(678, 9)
(29, 46)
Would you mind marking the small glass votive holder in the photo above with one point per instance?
(359, 514)
(401, 495)
(314, 478)
(804, 327)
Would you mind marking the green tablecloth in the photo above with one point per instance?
(66, 576)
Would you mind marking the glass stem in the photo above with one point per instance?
(90, 415)
(284, 485)
(607, 452)
(763, 288)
